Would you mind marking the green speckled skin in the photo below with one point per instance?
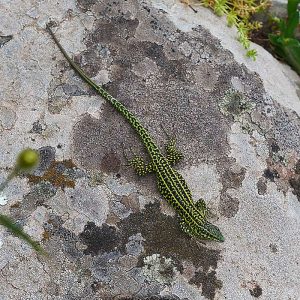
(171, 184)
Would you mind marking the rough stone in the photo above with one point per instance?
(107, 232)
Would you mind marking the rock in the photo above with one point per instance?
(236, 121)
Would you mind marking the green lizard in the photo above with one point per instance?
(171, 185)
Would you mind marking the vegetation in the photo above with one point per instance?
(284, 41)
(238, 14)
(27, 160)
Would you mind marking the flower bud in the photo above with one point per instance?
(27, 160)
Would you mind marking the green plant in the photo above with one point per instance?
(27, 160)
(238, 14)
(284, 41)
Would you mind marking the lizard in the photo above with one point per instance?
(171, 184)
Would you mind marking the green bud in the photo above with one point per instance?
(27, 160)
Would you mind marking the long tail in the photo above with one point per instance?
(133, 121)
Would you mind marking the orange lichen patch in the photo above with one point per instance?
(55, 176)
(46, 236)
(67, 163)
(16, 205)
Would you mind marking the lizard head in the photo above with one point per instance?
(213, 233)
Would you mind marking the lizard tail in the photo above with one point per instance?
(72, 63)
(133, 121)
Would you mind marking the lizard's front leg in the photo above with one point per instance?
(173, 154)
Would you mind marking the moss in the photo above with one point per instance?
(235, 104)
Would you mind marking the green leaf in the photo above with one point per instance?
(282, 25)
(292, 52)
(288, 49)
(293, 19)
(292, 7)
(277, 43)
(291, 25)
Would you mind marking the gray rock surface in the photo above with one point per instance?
(110, 235)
